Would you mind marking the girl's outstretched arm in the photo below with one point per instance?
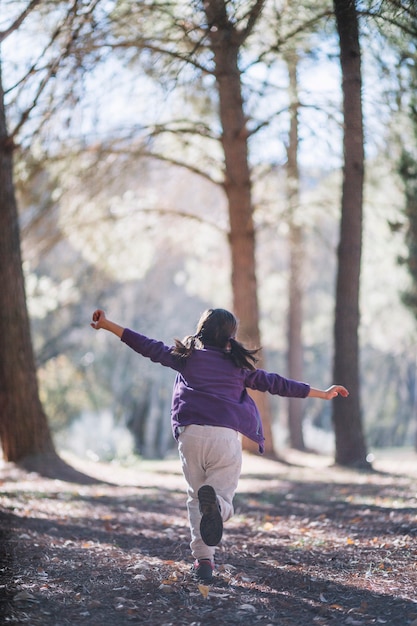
(100, 321)
(328, 394)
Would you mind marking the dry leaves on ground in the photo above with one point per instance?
(304, 548)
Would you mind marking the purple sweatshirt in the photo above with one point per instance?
(210, 390)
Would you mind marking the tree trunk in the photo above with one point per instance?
(347, 419)
(225, 43)
(24, 429)
(295, 289)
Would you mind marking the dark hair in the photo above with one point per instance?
(217, 328)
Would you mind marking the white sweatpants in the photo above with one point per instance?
(210, 455)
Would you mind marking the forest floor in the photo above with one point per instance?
(310, 544)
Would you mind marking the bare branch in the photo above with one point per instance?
(184, 127)
(145, 44)
(19, 20)
(253, 16)
(402, 22)
(72, 34)
(185, 165)
(150, 154)
(303, 27)
(159, 211)
(408, 9)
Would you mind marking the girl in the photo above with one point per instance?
(210, 407)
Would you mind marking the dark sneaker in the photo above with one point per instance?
(211, 525)
(203, 570)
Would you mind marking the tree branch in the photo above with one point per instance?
(254, 14)
(144, 44)
(19, 20)
(150, 154)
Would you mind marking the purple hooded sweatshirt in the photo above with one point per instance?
(210, 389)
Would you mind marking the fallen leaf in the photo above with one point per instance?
(172, 578)
(204, 590)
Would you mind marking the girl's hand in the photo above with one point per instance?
(99, 317)
(330, 393)
(100, 321)
(336, 390)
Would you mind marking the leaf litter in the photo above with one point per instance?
(341, 549)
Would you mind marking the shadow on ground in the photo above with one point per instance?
(339, 549)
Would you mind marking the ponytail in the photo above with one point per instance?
(184, 348)
(241, 356)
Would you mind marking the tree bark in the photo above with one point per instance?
(225, 42)
(24, 429)
(347, 418)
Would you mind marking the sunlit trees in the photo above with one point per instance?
(24, 429)
(347, 418)
(23, 425)
(209, 52)
(201, 46)
(209, 73)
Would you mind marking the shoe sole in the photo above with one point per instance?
(211, 525)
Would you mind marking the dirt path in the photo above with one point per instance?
(309, 545)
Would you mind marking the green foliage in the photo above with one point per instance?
(408, 173)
